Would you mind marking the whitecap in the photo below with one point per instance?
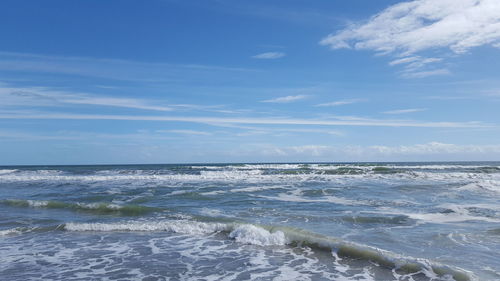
(251, 234)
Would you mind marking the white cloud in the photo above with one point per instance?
(403, 111)
(421, 62)
(418, 67)
(340, 121)
(40, 96)
(426, 73)
(408, 28)
(404, 60)
(79, 135)
(286, 99)
(48, 96)
(116, 69)
(186, 132)
(340, 102)
(288, 131)
(435, 148)
(273, 130)
(269, 55)
(414, 26)
(430, 151)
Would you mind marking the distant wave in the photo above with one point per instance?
(7, 171)
(466, 175)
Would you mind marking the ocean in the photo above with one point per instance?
(325, 221)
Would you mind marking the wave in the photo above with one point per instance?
(193, 195)
(7, 171)
(168, 170)
(179, 226)
(295, 196)
(99, 208)
(12, 231)
(25, 229)
(377, 219)
(495, 231)
(251, 234)
(367, 166)
(261, 235)
(343, 175)
(484, 185)
(446, 214)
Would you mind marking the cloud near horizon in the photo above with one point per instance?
(383, 152)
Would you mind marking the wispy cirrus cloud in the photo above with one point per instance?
(340, 102)
(35, 96)
(426, 73)
(269, 55)
(339, 121)
(115, 69)
(286, 99)
(42, 96)
(79, 135)
(405, 29)
(403, 111)
(254, 130)
(186, 132)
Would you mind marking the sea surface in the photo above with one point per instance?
(342, 221)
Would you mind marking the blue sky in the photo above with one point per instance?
(171, 81)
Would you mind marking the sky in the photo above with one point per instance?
(216, 81)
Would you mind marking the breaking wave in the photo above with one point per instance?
(12, 231)
(260, 235)
(259, 172)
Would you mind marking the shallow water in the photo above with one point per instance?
(383, 221)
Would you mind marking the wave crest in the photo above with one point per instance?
(281, 236)
(251, 234)
(99, 208)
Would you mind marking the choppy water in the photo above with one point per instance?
(390, 221)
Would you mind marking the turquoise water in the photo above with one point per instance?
(351, 221)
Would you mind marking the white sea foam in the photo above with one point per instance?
(268, 166)
(244, 189)
(243, 233)
(212, 212)
(92, 206)
(37, 203)
(448, 218)
(7, 171)
(458, 214)
(229, 174)
(487, 181)
(193, 247)
(296, 196)
(180, 226)
(57, 204)
(483, 185)
(251, 234)
(7, 232)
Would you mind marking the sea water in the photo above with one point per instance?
(342, 221)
